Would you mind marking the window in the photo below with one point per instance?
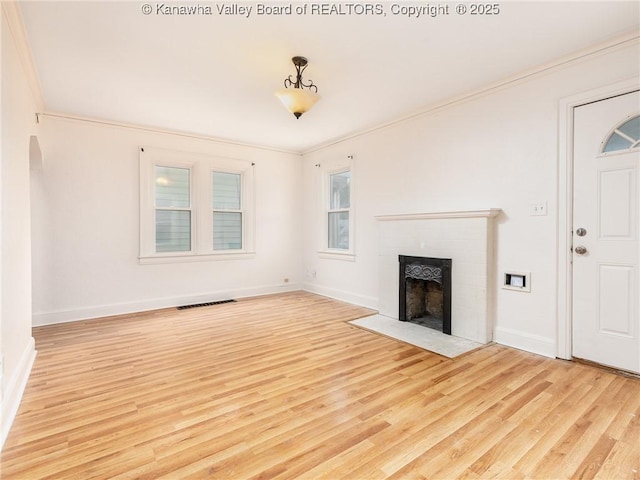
(625, 137)
(227, 215)
(338, 214)
(337, 229)
(194, 207)
(173, 209)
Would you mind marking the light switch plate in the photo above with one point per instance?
(538, 208)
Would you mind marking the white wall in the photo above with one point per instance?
(86, 258)
(497, 149)
(18, 124)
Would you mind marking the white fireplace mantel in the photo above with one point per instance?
(488, 213)
(465, 236)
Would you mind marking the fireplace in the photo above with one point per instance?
(467, 237)
(425, 292)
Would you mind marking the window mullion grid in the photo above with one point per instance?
(626, 137)
(339, 210)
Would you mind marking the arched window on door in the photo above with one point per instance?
(625, 136)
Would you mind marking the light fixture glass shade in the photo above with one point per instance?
(297, 100)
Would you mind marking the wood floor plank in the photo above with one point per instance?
(444, 416)
(281, 387)
(568, 452)
(477, 434)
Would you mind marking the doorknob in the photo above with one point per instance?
(580, 250)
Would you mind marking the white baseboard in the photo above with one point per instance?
(525, 341)
(12, 394)
(350, 297)
(98, 311)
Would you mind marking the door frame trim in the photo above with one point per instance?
(564, 266)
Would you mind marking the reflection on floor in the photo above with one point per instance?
(427, 338)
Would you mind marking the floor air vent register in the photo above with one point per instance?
(206, 304)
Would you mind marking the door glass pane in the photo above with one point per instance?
(227, 230)
(340, 190)
(172, 187)
(339, 230)
(616, 142)
(173, 231)
(632, 128)
(226, 191)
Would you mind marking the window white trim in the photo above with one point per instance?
(160, 259)
(327, 169)
(337, 255)
(201, 168)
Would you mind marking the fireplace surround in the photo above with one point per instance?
(467, 237)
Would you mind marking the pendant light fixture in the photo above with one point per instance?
(298, 100)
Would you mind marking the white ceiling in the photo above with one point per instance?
(215, 75)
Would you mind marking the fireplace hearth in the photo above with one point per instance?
(425, 292)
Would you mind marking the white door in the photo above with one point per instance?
(606, 213)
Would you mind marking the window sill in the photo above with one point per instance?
(158, 259)
(337, 255)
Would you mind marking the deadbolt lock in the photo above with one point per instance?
(581, 232)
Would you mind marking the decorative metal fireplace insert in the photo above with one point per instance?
(425, 292)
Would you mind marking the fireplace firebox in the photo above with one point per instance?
(425, 292)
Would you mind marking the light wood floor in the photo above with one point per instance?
(281, 387)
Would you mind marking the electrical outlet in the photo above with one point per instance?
(538, 209)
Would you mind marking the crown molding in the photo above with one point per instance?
(622, 41)
(163, 131)
(13, 15)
